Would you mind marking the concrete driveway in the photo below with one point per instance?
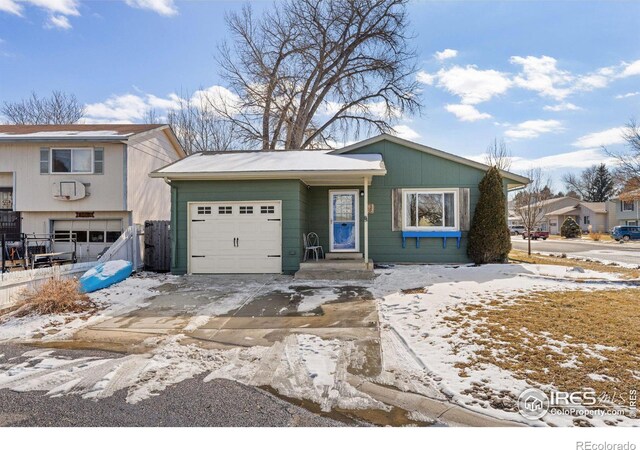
(218, 311)
(626, 253)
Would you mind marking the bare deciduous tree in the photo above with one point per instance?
(59, 109)
(498, 155)
(198, 126)
(628, 170)
(531, 202)
(307, 70)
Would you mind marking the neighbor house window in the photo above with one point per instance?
(72, 160)
(627, 206)
(430, 209)
(586, 220)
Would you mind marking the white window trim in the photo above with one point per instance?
(630, 202)
(72, 150)
(456, 209)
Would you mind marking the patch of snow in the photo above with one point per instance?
(118, 299)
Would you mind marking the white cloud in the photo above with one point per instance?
(628, 94)
(566, 106)
(58, 21)
(64, 7)
(631, 69)
(423, 77)
(162, 7)
(406, 132)
(58, 10)
(601, 138)
(447, 53)
(533, 128)
(131, 108)
(472, 85)
(11, 7)
(578, 159)
(467, 113)
(118, 108)
(541, 75)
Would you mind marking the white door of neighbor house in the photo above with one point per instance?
(344, 227)
(235, 237)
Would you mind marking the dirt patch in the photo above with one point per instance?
(418, 290)
(517, 256)
(572, 340)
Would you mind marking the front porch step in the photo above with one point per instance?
(344, 256)
(326, 269)
(337, 264)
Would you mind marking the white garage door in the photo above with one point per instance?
(92, 236)
(235, 237)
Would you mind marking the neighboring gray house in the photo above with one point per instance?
(625, 210)
(591, 216)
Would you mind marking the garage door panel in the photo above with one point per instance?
(235, 237)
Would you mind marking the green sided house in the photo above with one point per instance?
(384, 199)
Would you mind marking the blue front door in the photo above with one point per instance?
(343, 221)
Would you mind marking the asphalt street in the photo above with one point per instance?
(628, 252)
(191, 403)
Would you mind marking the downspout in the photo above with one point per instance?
(366, 221)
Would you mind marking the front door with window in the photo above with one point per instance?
(343, 221)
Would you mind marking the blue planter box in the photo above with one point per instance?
(431, 234)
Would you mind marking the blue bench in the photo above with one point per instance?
(431, 234)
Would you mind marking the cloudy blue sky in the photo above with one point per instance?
(556, 80)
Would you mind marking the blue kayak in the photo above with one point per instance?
(104, 275)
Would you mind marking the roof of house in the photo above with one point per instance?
(562, 211)
(73, 132)
(270, 164)
(597, 207)
(430, 150)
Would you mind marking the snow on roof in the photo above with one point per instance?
(70, 132)
(274, 161)
(562, 211)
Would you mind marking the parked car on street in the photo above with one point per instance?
(516, 230)
(625, 233)
(535, 235)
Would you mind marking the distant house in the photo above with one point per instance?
(591, 216)
(385, 199)
(87, 180)
(625, 209)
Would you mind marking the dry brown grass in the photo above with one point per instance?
(559, 338)
(518, 256)
(595, 236)
(52, 297)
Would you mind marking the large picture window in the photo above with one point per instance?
(72, 160)
(430, 209)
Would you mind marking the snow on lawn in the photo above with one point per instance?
(415, 321)
(126, 296)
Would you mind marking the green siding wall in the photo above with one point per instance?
(306, 209)
(406, 168)
(290, 192)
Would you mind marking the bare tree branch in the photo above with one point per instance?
(59, 109)
(308, 69)
(531, 203)
(198, 127)
(498, 155)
